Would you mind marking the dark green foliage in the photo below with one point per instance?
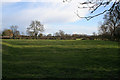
(60, 59)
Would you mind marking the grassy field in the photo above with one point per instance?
(60, 59)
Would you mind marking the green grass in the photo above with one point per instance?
(60, 59)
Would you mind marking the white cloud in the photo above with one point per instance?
(56, 1)
(71, 29)
(11, 0)
(32, 1)
(54, 13)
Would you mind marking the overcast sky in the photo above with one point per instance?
(54, 14)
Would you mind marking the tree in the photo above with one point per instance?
(75, 35)
(103, 29)
(49, 35)
(94, 34)
(56, 34)
(7, 32)
(22, 33)
(103, 32)
(117, 33)
(30, 33)
(40, 35)
(94, 5)
(34, 28)
(111, 23)
(60, 33)
(0, 34)
(15, 31)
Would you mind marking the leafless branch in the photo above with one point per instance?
(93, 5)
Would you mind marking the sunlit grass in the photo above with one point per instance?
(37, 43)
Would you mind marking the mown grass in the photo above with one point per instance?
(60, 59)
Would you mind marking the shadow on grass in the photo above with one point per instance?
(51, 62)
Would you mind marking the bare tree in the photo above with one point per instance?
(94, 34)
(14, 31)
(49, 35)
(94, 5)
(35, 28)
(60, 33)
(30, 33)
(56, 34)
(117, 33)
(103, 29)
(111, 23)
(0, 33)
(22, 33)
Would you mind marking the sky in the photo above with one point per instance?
(53, 14)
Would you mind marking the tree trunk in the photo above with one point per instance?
(35, 36)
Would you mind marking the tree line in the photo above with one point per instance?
(108, 30)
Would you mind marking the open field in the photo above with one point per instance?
(60, 59)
